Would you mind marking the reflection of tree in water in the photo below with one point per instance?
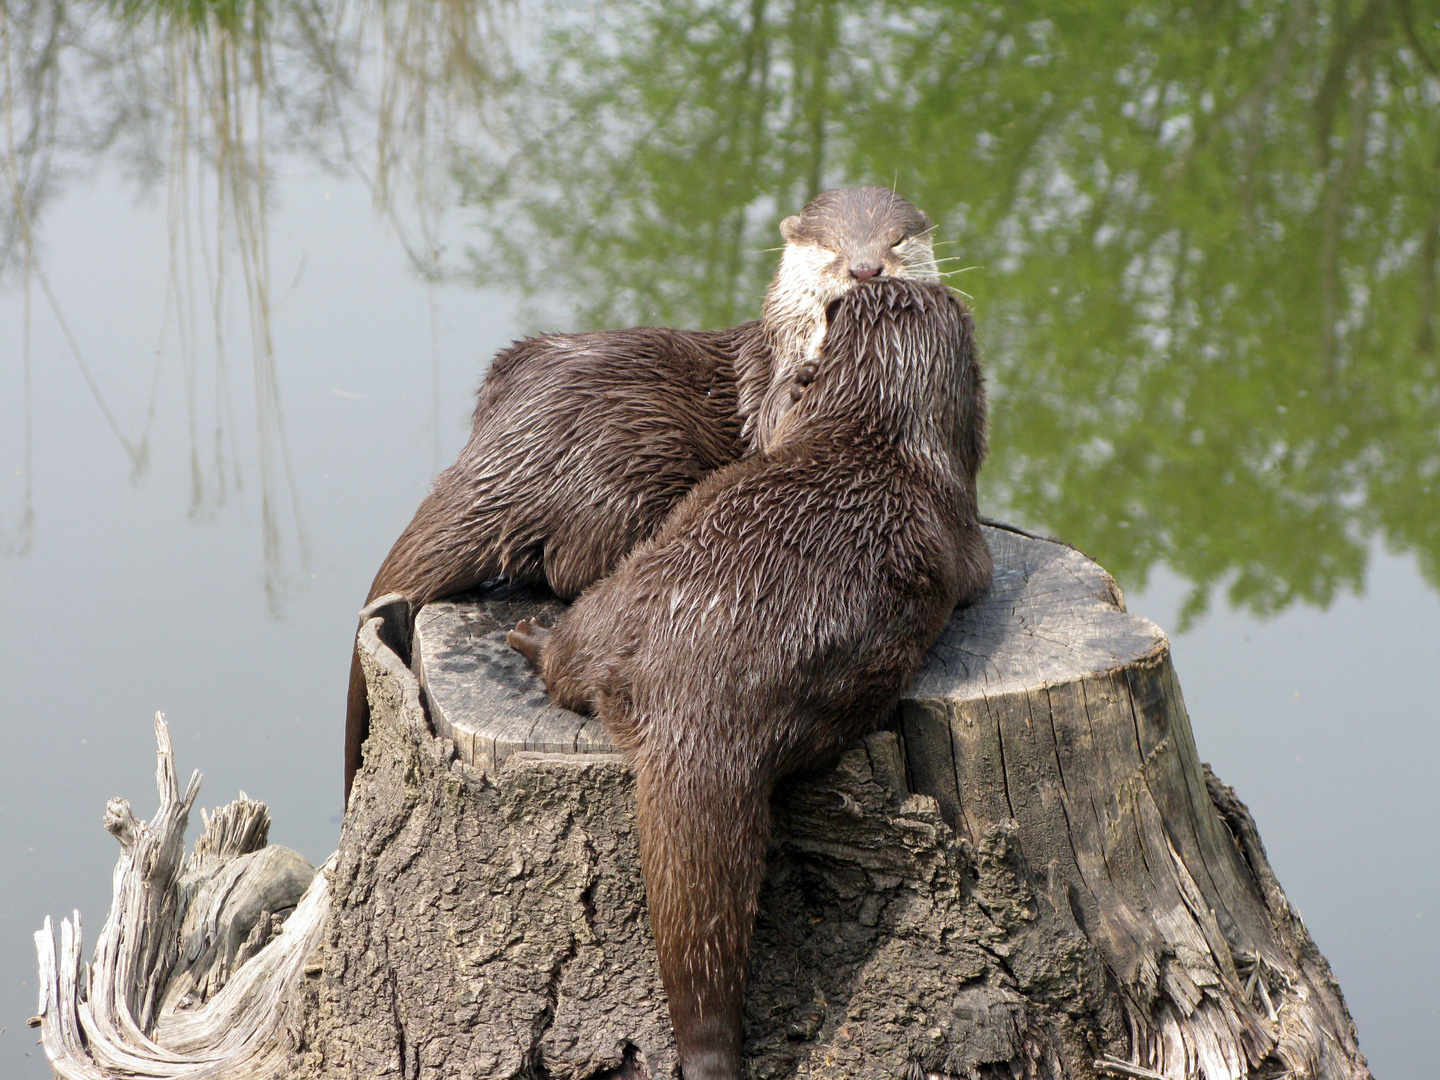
(1208, 237)
(651, 148)
(438, 64)
(192, 81)
(216, 74)
(1209, 240)
(199, 95)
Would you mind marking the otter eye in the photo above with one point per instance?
(898, 239)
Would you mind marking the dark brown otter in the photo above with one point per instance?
(582, 443)
(776, 616)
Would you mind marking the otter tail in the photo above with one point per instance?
(433, 557)
(703, 833)
(357, 721)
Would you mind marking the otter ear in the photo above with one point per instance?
(790, 229)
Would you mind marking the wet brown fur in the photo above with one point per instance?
(558, 495)
(776, 616)
(582, 443)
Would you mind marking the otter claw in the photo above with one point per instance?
(528, 639)
(803, 377)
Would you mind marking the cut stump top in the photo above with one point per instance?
(1051, 616)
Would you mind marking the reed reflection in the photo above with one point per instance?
(202, 97)
(1206, 240)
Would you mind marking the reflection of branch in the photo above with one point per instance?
(755, 64)
(820, 53)
(1018, 173)
(437, 72)
(216, 66)
(1407, 21)
(1252, 103)
(1177, 322)
(1429, 258)
(138, 452)
(43, 71)
(29, 159)
(1340, 183)
(198, 78)
(1359, 39)
(25, 528)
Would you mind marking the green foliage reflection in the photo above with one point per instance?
(242, 17)
(1203, 239)
(1207, 238)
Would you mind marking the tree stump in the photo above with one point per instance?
(1030, 875)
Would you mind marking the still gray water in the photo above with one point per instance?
(253, 260)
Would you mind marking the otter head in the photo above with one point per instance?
(850, 235)
(842, 238)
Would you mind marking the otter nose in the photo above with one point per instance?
(864, 273)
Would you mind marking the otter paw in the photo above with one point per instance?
(803, 377)
(528, 639)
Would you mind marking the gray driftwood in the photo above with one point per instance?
(196, 970)
(1030, 875)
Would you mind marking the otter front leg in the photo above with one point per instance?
(781, 400)
(528, 639)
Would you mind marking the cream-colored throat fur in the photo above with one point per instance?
(809, 278)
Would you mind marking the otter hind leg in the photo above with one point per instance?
(558, 659)
(528, 639)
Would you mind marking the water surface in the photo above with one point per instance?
(253, 262)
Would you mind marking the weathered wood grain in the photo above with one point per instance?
(1049, 710)
(479, 691)
(196, 968)
(1049, 614)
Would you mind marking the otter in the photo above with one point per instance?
(582, 443)
(776, 616)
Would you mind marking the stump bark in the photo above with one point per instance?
(1030, 875)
